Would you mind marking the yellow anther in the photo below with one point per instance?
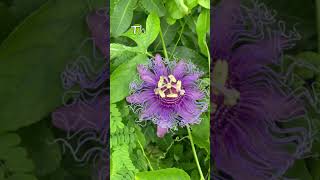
(160, 82)
(168, 86)
(162, 94)
(182, 92)
(178, 85)
(156, 91)
(172, 95)
(220, 74)
(172, 78)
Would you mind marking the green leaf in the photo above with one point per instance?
(22, 8)
(298, 171)
(7, 141)
(163, 174)
(175, 11)
(32, 59)
(140, 136)
(21, 177)
(204, 3)
(115, 119)
(314, 168)
(117, 50)
(169, 33)
(121, 17)
(14, 157)
(41, 148)
(144, 40)
(202, 27)
(122, 76)
(191, 3)
(201, 133)
(154, 6)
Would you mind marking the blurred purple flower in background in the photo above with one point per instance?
(249, 103)
(84, 115)
(169, 94)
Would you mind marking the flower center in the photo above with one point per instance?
(220, 77)
(169, 87)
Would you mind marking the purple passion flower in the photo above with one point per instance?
(168, 94)
(84, 114)
(250, 106)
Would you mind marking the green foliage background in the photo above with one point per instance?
(176, 30)
(39, 37)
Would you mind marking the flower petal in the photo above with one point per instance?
(140, 98)
(190, 79)
(159, 67)
(189, 111)
(263, 52)
(179, 70)
(223, 29)
(82, 115)
(194, 94)
(97, 22)
(161, 131)
(146, 75)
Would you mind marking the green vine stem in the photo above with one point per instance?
(144, 154)
(163, 45)
(195, 153)
(180, 34)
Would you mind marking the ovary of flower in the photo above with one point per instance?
(168, 84)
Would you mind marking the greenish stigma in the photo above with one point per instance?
(220, 77)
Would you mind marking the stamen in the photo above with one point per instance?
(169, 87)
(160, 82)
(178, 85)
(162, 94)
(172, 78)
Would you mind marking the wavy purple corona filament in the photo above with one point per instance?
(250, 104)
(169, 96)
(84, 116)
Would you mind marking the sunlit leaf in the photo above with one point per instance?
(202, 27)
(121, 17)
(163, 174)
(122, 76)
(144, 39)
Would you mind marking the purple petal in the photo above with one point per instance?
(80, 115)
(146, 75)
(190, 79)
(97, 22)
(223, 29)
(159, 67)
(140, 98)
(263, 52)
(161, 131)
(188, 111)
(152, 108)
(179, 70)
(194, 94)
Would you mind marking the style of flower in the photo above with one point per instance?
(168, 95)
(250, 104)
(85, 116)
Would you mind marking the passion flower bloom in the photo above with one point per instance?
(168, 94)
(84, 115)
(251, 107)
